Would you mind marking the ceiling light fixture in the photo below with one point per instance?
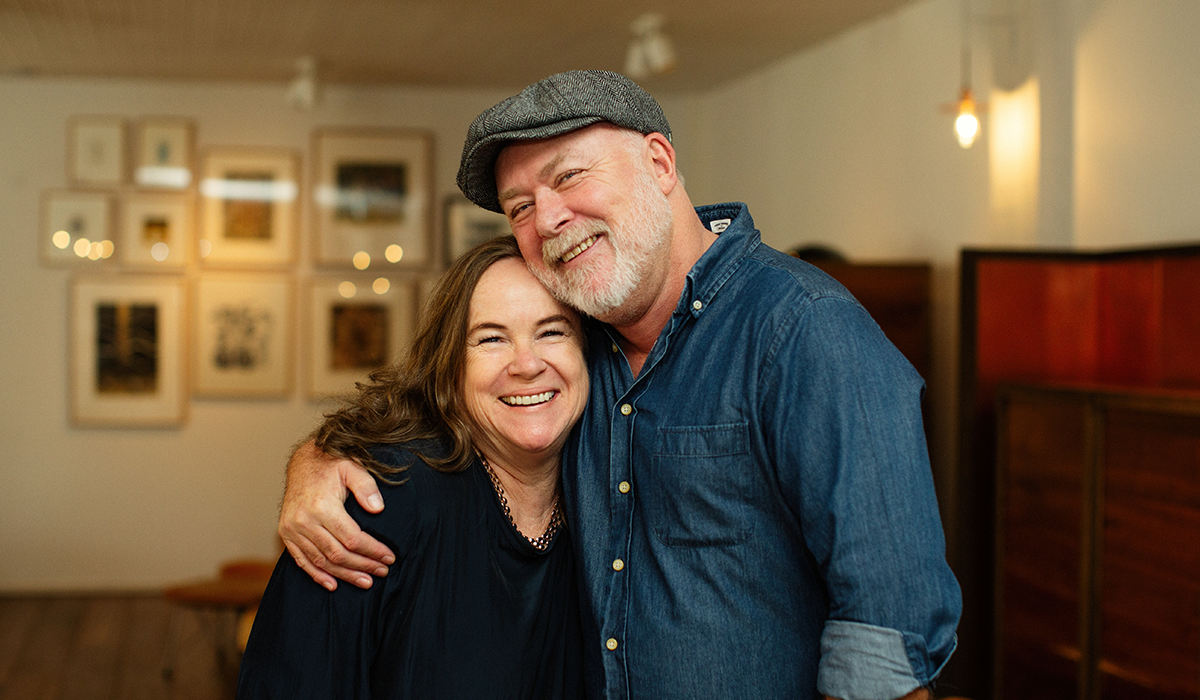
(302, 93)
(966, 109)
(650, 52)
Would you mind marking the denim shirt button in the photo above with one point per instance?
(615, 348)
(611, 644)
(624, 487)
(697, 305)
(626, 409)
(618, 565)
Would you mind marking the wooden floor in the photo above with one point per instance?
(111, 648)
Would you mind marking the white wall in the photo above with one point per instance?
(842, 144)
(1137, 100)
(109, 508)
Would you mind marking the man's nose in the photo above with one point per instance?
(552, 214)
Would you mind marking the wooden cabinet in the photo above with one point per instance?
(1098, 544)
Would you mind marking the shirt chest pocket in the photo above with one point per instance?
(701, 486)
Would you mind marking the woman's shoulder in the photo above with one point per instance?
(417, 496)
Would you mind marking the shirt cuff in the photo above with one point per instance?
(865, 662)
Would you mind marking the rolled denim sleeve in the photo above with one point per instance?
(858, 478)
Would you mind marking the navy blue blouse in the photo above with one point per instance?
(469, 610)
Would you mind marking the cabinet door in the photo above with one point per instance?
(1150, 562)
(1044, 456)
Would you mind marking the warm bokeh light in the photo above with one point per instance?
(81, 247)
(362, 260)
(967, 128)
(106, 249)
(393, 253)
(967, 124)
(205, 247)
(347, 290)
(159, 251)
(61, 239)
(95, 250)
(381, 285)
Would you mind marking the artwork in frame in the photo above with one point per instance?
(248, 206)
(371, 198)
(164, 153)
(242, 337)
(96, 151)
(468, 225)
(155, 230)
(356, 324)
(127, 351)
(76, 229)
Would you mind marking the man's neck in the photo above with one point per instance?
(639, 335)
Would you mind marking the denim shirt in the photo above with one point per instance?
(754, 513)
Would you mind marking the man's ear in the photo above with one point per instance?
(662, 161)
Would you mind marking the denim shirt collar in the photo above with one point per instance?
(736, 238)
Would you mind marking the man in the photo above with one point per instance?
(749, 488)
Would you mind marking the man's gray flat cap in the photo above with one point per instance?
(557, 105)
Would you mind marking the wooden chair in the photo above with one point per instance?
(221, 605)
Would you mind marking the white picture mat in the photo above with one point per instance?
(163, 407)
(468, 225)
(82, 215)
(324, 379)
(164, 153)
(338, 239)
(96, 151)
(133, 245)
(243, 339)
(279, 195)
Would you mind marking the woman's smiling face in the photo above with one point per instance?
(525, 380)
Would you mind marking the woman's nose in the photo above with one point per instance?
(526, 361)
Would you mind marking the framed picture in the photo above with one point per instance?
(164, 153)
(156, 229)
(357, 324)
(468, 225)
(248, 206)
(242, 341)
(76, 228)
(127, 351)
(96, 151)
(371, 198)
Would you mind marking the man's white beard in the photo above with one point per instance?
(643, 235)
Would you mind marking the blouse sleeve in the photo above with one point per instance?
(308, 642)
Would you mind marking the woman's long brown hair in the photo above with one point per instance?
(419, 397)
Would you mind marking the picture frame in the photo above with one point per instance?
(243, 335)
(76, 229)
(127, 351)
(156, 230)
(96, 151)
(468, 224)
(163, 153)
(351, 334)
(248, 205)
(371, 196)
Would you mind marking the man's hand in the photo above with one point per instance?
(314, 526)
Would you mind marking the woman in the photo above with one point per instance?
(465, 437)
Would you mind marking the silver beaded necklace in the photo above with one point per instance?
(539, 543)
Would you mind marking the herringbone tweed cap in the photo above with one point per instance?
(552, 107)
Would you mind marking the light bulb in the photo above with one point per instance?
(967, 124)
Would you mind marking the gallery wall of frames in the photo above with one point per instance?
(185, 262)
